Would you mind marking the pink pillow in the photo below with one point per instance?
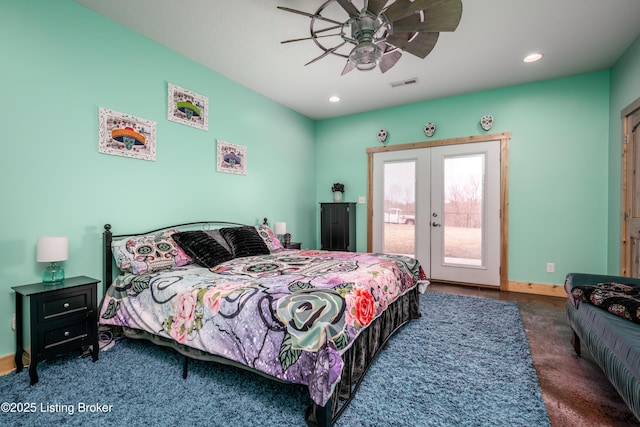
(270, 238)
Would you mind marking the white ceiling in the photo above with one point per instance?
(240, 39)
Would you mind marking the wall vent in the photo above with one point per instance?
(404, 82)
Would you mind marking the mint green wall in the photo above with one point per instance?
(625, 89)
(557, 164)
(60, 62)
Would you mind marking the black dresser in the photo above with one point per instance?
(338, 226)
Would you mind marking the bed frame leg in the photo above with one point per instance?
(185, 367)
(323, 414)
(575, 340)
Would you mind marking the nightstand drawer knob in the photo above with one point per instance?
(66, 333)
(66, 305)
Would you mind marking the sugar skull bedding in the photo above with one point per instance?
(290, 314)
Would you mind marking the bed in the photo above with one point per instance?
(231, 293)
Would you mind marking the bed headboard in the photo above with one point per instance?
(108, 263)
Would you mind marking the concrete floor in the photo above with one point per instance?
(574, 389)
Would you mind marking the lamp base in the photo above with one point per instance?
(53, 274)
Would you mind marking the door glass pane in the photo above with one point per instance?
(463, 209)
(400, 207)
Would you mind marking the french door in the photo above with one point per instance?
(441, 205)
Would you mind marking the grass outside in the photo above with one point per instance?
(460, 242)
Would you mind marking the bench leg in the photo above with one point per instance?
(575, 340)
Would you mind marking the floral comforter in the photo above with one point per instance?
(289, 314)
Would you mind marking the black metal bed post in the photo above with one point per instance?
(107, 267)
(324, 414)
(185, 367)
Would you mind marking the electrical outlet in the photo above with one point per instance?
(362, 200)
(13, 322)
(551, 267)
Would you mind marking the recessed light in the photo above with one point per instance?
(334, 99)
(533, 57)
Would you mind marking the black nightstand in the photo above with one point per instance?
(293, 245)
(64, 317)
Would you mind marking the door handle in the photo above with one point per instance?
(435, 224)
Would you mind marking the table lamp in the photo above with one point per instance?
(280, 229)
(52, 250)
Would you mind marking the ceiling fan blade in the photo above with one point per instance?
(447, 11)
(399, 9)
(329, 28)
(433, 23)
(418, 44)
(389, 60)
(309, 38)
(376, 6)
(349, 8)
(326, 52)
(348, 67)
(310, 15)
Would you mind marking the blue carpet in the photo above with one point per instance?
(466, 362)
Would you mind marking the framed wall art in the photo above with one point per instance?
(232, 158)
(122, 134)
(187, 107)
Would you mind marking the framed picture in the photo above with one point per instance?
(232, 158)
(122, 134)
(187, 107)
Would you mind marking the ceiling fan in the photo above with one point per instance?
(379, 31)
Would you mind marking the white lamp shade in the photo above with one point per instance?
(53, 249)
(280, 228)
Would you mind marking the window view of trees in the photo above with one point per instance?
(463, 203)
(462, 208)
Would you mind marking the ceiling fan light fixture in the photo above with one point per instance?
(379, 32)
(366, 56)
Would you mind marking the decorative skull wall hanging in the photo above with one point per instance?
(429, 129)
(486, 122)
(382, 135)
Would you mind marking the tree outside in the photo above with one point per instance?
(462, 220)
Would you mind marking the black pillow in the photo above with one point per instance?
(215, 233)
(244, 241)
(202, 248)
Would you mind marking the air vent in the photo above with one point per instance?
(404, 82)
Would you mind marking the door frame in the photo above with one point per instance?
(626, 190)
(504, 139)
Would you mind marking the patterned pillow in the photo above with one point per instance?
(269, 237)
(617, 298)
(203, 248)
(149, 253)
(244, 241)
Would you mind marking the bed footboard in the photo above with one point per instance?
(359, 357)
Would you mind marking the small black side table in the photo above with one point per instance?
(293, 245)
(64, 317)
